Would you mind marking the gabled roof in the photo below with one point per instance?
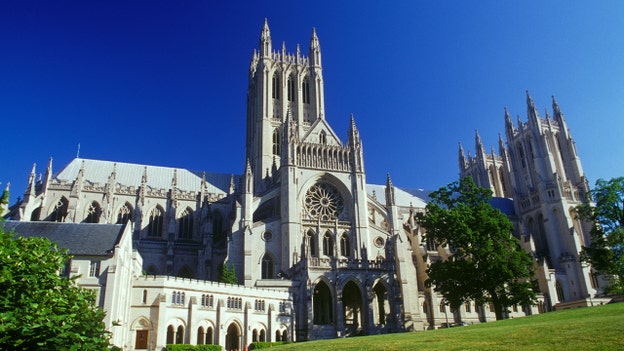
(404, 197)
(79, 238)
(130, 174)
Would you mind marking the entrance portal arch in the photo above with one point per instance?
(352, 309)
(233, 337)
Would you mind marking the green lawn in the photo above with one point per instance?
(595, 328)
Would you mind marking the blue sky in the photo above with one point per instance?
(164, 82)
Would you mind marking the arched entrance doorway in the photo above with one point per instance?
(322, 304)
(381, 307)
(352, 309)
(232, 338)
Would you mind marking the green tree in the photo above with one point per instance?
(606, 251)
(228, 274)
(486, 263)
(39, 310)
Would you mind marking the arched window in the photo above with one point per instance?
(442, 307)
(277, 145)
(275, 87)
(34, 216)
(328, 244)
(219, 239)
(311, 243)
(186, 224)
(305, 90)
(170, 333)
(155, 225)
(323, 137)
(209, 336)
(345, 245)
(278, 335)
(124, 214)
(93, 213)
(60, 211)
(268, 267)
(291, 89)
(180, 335)
(262, 335)
(468, 309)
(200, 336)
(254, 337)
(522, 157)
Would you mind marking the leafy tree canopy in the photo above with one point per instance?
(39, 310)
(486, 263)
(606, 251)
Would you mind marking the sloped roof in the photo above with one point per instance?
(79, 238)
(404, 197)
(158, 177)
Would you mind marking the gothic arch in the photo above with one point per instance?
(353, 307)
(185, 224)
(155, 222)
(58, 213)
(328, 244)
(267, 263)
(322, 303)
(381, 304)
(328, 178)
(311, 242)
(205, 332)
(92, 213)
(124, 213)
(141, 322)
(233, 336)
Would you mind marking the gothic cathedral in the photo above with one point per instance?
(302, 220)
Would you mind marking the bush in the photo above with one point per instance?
(265, 345)
(185, 347)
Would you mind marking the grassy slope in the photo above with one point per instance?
(597, 328)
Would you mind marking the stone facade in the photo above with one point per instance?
(321, 251)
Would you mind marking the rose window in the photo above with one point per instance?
(323, 201)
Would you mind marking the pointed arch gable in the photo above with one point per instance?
(124, 213)
(185, 224)
(58, 212)
(92, 213)
(155, 222)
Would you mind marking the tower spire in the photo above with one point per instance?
(390, 199)
(315, 50)
(531, 110)
(462, 157)
(265, 40)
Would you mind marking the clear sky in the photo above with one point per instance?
(164, 82)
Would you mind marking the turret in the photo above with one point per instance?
(531, 110)
(265, 41)
(315, 50)
(354, 142)
(390, 199)
(462, 159)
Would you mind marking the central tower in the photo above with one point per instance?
(282, 86)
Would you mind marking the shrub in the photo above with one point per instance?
(265, 345)
(185, 347)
